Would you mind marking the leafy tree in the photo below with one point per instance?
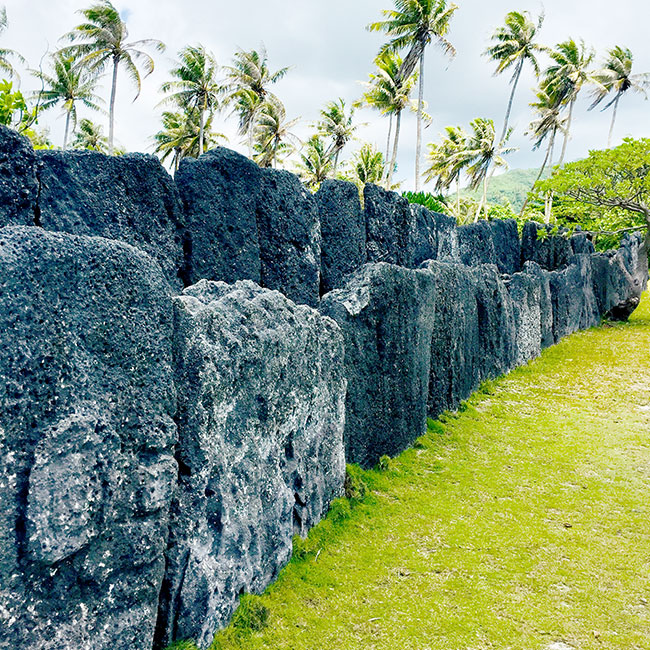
(273, 133)
(68, 85)
(413, 25)
(6, 54)
(90, 136)
(104, 43)
(195, 86)
(249, 77)
(366, 166)
(434, 203)
(514, 45)
(611, 182)
(315, 163)
(337, 125)
(615, 77)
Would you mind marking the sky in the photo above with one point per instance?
(331, 53)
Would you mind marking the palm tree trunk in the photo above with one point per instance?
(67, 127)
(515, 81)
(568, 129)
(390, 132)
(548, 207)
(485, 189)
(457, 195)
(111, 114)
(393, 159)
(541, 171)
(336, 162)
(201, 125)
(418, 142)
(611, 128)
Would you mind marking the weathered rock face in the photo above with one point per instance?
(551, 252)
(425, 243)
(386, 314)
(219, 193)
(129, 198)
(390, 227)
(507, 247)
(526, 294)
(581, 245)
(475, 244)
(454, 371)
(18, 186)
(289, 235)
(343, 233)
(261, 416)
(545, 302)
(448, 245)
(86, 438)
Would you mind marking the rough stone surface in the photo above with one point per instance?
(86, 438)
(343, 233)
(545, 302)
(219, 193)
(454, 371)
(261, 414)
(551, 252)
(526, 295)
(475, 244)
(18, 187)
(447, 232)
(130, 198)
(289, 235)
(507, 247)
(425, 243)
(390, 227)
(581, 245)
(386, 314)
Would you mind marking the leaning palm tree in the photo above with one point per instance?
(6, 54)
(514, 45)
(249, 77)
(337, 125)
(315, 163)
(413, 25)
(103, 42)
(566, 76)
(90, 136)
(69, 85)
(616, 77)
(273, 133)
(195, 84)
(483, 152)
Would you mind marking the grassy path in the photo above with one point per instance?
(522, 522)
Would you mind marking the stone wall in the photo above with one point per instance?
(161, 445)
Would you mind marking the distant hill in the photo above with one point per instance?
(511, 186)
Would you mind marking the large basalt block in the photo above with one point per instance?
(542, 278)
(289, 235)
(447, 234)
(129, 198)
(540, 245)
(507, 246)
(454, 370)
(386, 314)
(261, 413)
(475, 244)
(425, 244)
(343, 232)
(86, 441)
(219, 193)
(18, 186)
(526, 294)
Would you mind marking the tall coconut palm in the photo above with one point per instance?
(104, 43)
(483, 152)
(616, 77)
(315, 163)
(413, 25)
(249, 77)
(514, 45)
(273, 133)
(337, 125)
(195, 85)
(566, 76)
(6, 54)
(68, 85)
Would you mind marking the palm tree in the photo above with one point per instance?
(334, 123)
(484, 151)
(315, 163)
(616, 76)
(195, 85)
(272, 133)
(104, 43)
(69, 84)
(6, 54)
(514, 45)
(413, 25)
(566, 77)
(90, 136)
(366, 166)
(249, 78)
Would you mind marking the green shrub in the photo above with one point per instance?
(435, 203)
(384, 464)
(355, 486)
(251, 615)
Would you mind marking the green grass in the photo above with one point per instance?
(518, 523)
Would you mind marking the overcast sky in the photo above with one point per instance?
(330, 53)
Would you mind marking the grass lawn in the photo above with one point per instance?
(521, 522)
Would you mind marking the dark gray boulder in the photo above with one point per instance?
(447, 235)
(261, 412)
(540, 245)
(581, 245)
(454, 370)
(542, 278)
(507, 246)
(475, 244)
(526, 294)
(386, 314)
(219, 192)
(86, 441)
(130, 198)
(18, 186)
(390, 227)
(425, 243)
(343, 232)
(289, 235)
